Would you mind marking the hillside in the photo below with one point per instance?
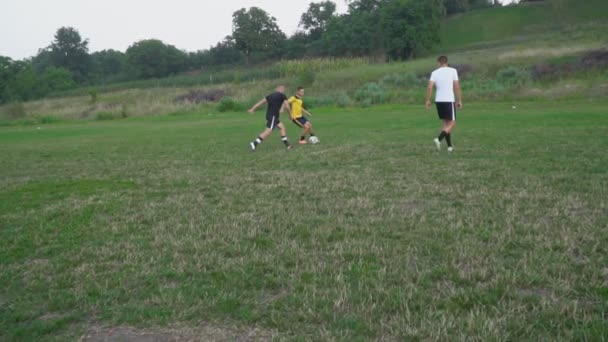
(544, 22)
(512, 53)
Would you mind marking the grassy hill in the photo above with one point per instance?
(498, 47)
(544, 22)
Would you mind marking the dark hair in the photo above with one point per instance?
(443, 59)
(300, 88)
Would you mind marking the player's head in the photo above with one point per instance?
(442, 60)
(300, 91)
(281, 88)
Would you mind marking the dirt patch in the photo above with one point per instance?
(463, 69)
(595, 59)
(591, 60)
(200, 96)
(203, 333)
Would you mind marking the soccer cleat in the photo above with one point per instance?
(303, 142)
(289, 147)
(252, 145)
(437, 143)
(450, 149)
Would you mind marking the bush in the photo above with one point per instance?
(370, 94)
(14, 110)
(229, 105)
(343, 100)
(93, 95)
(102, 116)
(47, 119)
(513, 76)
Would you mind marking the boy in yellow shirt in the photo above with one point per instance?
(297, 109)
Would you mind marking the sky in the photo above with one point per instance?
(191, 25)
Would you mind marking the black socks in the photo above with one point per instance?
(442, 135)
(284, 139)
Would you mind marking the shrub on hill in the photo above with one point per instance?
(229, 105)
(513, 76)
(370, 94)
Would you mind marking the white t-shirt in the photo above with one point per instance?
(444, 78)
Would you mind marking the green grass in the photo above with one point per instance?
(528, 24)
(170, 221)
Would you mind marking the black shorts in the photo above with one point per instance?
(301, 121)
(446, 110)
(272, 122)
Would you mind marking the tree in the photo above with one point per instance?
(225, 53)
(364, 5)
(71, 52)
(108, 64)
(256, 32)
(153, 58)
(353, 34)
(57, 79)
(410, 25)
(7, 75)
(316, 18)
(455, 6)
(25, 85)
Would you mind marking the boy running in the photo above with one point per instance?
(446, 81)
(297, 108)
(276, 102)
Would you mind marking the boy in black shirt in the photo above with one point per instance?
(276, 101)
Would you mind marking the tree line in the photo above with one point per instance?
(390, 29)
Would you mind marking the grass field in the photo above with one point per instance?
(170, 226)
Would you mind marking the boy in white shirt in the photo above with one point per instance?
(446, 80)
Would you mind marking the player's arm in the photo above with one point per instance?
(429, 93)
(257, 105)
(458, 92)
(307, 113)
(287, 107)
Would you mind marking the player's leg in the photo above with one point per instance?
(309, 129)
(270, 125)
(298, 122)
(450, 124)
(283, 131)
(444, 111)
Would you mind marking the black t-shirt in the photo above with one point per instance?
(275, 102)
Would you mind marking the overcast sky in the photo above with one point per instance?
(28, 25)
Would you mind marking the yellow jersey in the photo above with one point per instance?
(296, 107)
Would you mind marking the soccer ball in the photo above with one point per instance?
(313, 140)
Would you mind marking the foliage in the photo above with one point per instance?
(255, 32)
(513, 76)
(108, 65)
(153, 58)
(70, 51)
(229, 105)
(409, 26)
(353, 35)
(370, 94)
(455, 6)
(58, 79)
(315, 19)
